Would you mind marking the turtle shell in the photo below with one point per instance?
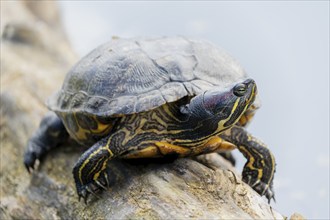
(126, 76)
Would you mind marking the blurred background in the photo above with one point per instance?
(284, 46)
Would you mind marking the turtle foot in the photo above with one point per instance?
(262, 188)
(32, 155)
(94, 187)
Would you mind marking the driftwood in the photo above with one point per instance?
(35, 55)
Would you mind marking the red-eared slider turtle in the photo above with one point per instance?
(141, 98)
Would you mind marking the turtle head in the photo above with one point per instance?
(222, 105)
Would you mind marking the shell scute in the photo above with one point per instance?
(126, 76)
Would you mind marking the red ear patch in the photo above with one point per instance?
(213, 98)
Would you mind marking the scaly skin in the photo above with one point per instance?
(259, 169)
(50, 134)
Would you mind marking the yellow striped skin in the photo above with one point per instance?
(160, 129)
(259, 169)
(171, 129)
(155, 133)
(165, 128)
(86, 129)
(248, 115)
(162, 124)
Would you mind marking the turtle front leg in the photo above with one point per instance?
(244, 120)
(259, 169)
(90, 171)
(51, 133)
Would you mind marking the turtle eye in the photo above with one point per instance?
(240, 89)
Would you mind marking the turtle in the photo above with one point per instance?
(153, 98)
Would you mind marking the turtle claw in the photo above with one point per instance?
(90, 191)
(29, 169)
(86, 190)
(262, 189)
(270, 195)
(273, 197)
(100, 185)
(94, 187)
(32, 155)
(31, 164)
(82, 194)
(29, 161)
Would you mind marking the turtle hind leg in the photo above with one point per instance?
(50, 134)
